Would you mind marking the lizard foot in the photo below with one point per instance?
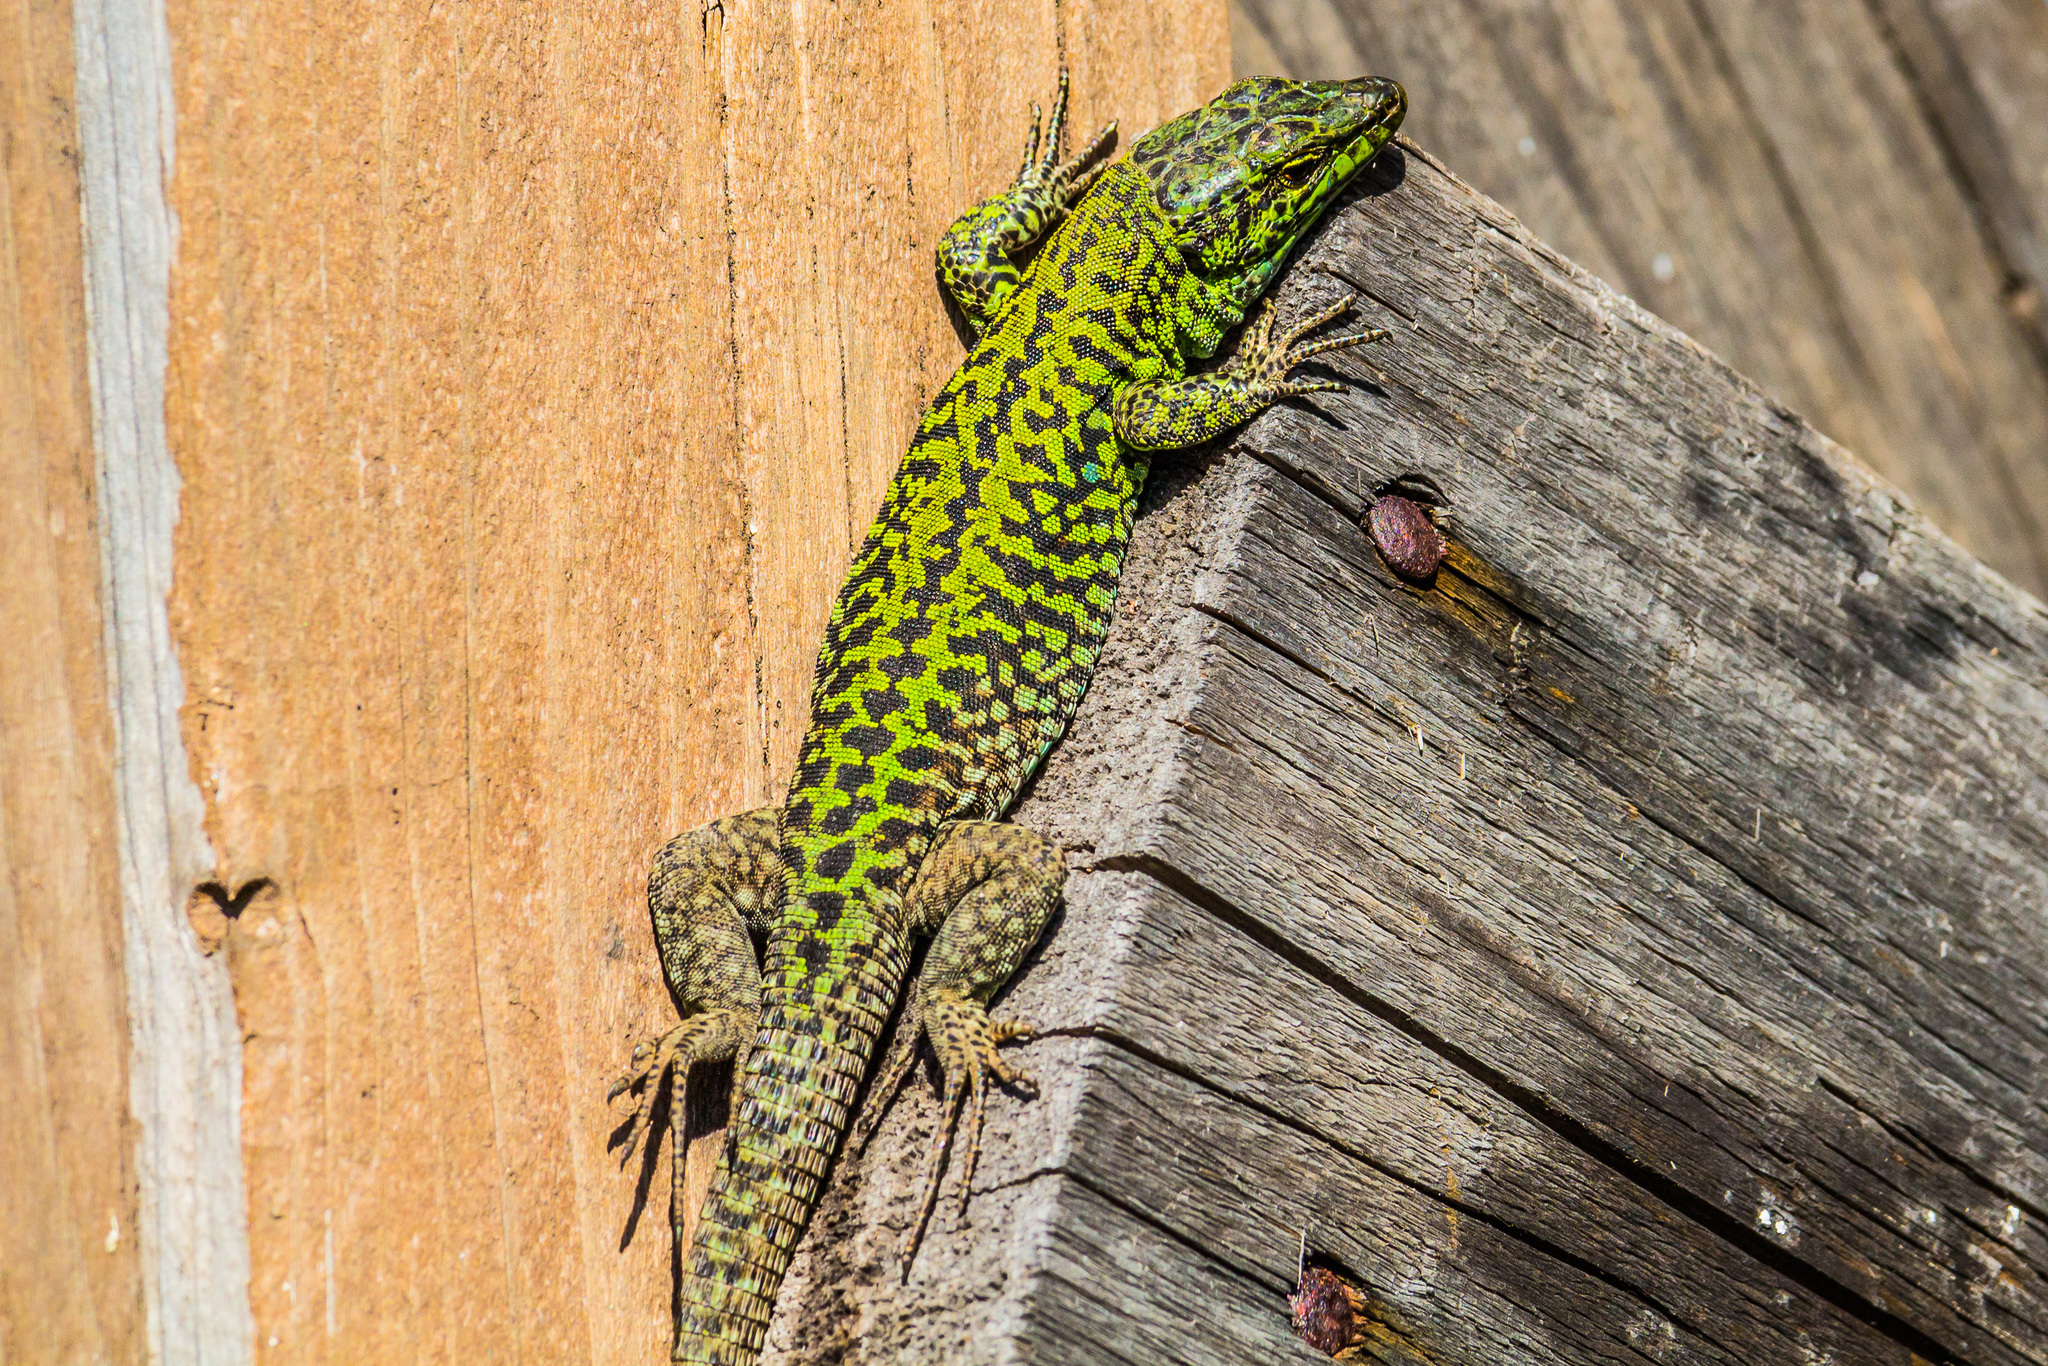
(1048, 184)
(965, 1039)
(975, 256)
(1265, 360)
(708, 1037)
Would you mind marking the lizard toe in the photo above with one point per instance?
(965, 1039)
(707, 1037)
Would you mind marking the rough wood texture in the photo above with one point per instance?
(533, 370)
(1980, 69)
(1843, 197)
(1625, 947)
(70, 1288)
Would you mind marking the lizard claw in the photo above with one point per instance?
(651, 1059)
(902, 1056)
(1265, 360)
(965, 1039)
(708, 1037)
(1062, 183)
(1031, 139)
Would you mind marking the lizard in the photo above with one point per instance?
(960, 645)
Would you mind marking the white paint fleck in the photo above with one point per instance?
(1778, 1224)
(1866, 580)
(114, 1231)
(2007, 1226)
(1662, 267)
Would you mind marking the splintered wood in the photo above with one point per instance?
(1698, 1017)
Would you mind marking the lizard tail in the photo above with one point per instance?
(819, 1024)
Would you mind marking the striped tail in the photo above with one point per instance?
(819, 1024)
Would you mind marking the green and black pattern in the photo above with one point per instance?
(962, 642)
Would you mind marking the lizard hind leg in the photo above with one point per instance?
(709, 889)
(985, 893)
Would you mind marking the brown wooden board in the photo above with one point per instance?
(1626, 946)
(533, 371)
(1843, 197)
(70, 1282)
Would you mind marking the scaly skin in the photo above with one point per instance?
(961, 644)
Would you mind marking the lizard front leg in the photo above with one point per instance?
(985, 892)
(708, 889)
(974, 255)
(1186, 412)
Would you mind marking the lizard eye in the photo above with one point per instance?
(1297, 174)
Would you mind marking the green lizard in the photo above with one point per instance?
(960, 646)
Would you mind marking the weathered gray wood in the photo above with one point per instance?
(1629, 945)
(1814, 188)
(184, 1062)
(1981, 70)
(1473, 1180)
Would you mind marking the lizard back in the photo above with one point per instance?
(958, 649)
(971, 620)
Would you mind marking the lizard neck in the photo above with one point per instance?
(1115, 269)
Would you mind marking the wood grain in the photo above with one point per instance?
(70, 1284)
(532, 373)
(1622, 947)
(1625, 946)
(1980, 70)
(1749, 626)
(1843, 197)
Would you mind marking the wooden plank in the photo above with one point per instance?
(1675, 608)
(1741, 169)
(1622, 946)
(526, 425)
(1980, 69)
(70, 1283)
(1244, 1045)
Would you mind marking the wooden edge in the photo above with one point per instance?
(185, 1065)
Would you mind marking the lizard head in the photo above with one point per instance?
(1241, 178)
